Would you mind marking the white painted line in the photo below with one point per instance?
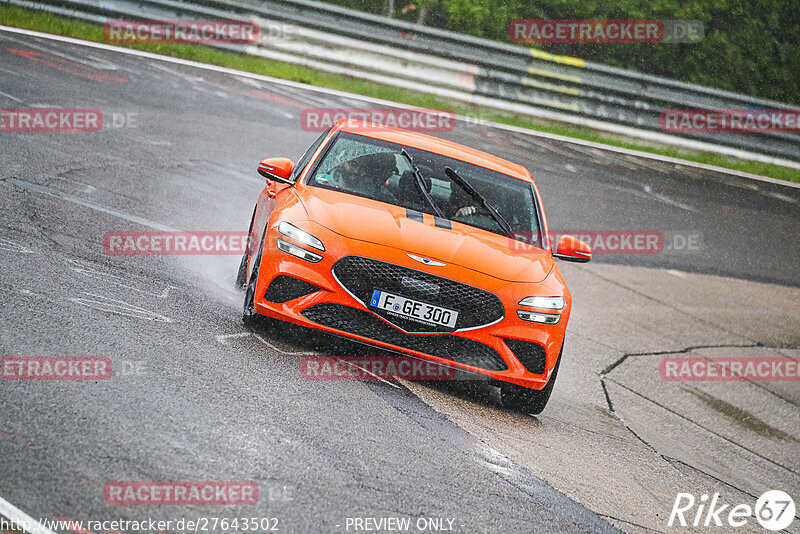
(276, 349)
(779, 196)
(388, 103)
(86, 269)
(13, 246)
(87, 204)
(30, 293)
(373, 374)
(11, 97)
(23, 520)
(229, 171)
(147, 140)
(15, 73)
(119, 307)
(223, 338)
(667, 200)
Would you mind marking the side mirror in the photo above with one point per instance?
(572, 249)
(276, 169)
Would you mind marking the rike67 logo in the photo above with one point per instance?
(774, 510)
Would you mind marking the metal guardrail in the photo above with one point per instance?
(488, 73)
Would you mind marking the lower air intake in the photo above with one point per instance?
(363, 323)
(530, 355)
(285, 288)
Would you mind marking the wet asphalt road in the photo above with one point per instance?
(197, 396)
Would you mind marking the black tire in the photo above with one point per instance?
(241, 275)
(249, 315)
(530, 401)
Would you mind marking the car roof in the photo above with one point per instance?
(433, 144)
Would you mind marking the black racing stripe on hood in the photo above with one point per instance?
(414, 215)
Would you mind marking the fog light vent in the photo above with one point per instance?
(285, 288)
(530, 355)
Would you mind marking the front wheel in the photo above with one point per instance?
(241, 275)
(529, 400)
(249, 315)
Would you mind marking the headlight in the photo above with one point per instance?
(300, 252)
(534, 317)
(300, 236)
(548, 303)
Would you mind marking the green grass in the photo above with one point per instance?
(46, 22)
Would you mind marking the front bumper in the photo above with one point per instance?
(330, 307)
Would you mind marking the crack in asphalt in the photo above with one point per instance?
(686, 350)
(608, 369)
(709, 475)
(689, 349)
(710, 431)
(637, 525)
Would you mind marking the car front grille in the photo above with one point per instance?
(363, 323)
(361, 276)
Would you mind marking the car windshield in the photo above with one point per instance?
(378, 170)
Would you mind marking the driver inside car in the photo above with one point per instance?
(345, 176)
(460, 204)
(365, 175)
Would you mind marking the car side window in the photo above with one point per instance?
(305, 158)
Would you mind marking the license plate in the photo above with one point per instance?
(414, 309)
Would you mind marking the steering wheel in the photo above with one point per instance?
(477, 211)
(336, 174)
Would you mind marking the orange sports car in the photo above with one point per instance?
(416, 245)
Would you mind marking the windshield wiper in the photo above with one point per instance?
(471, 191)
(420, 181)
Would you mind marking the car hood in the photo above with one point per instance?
(466, 246)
